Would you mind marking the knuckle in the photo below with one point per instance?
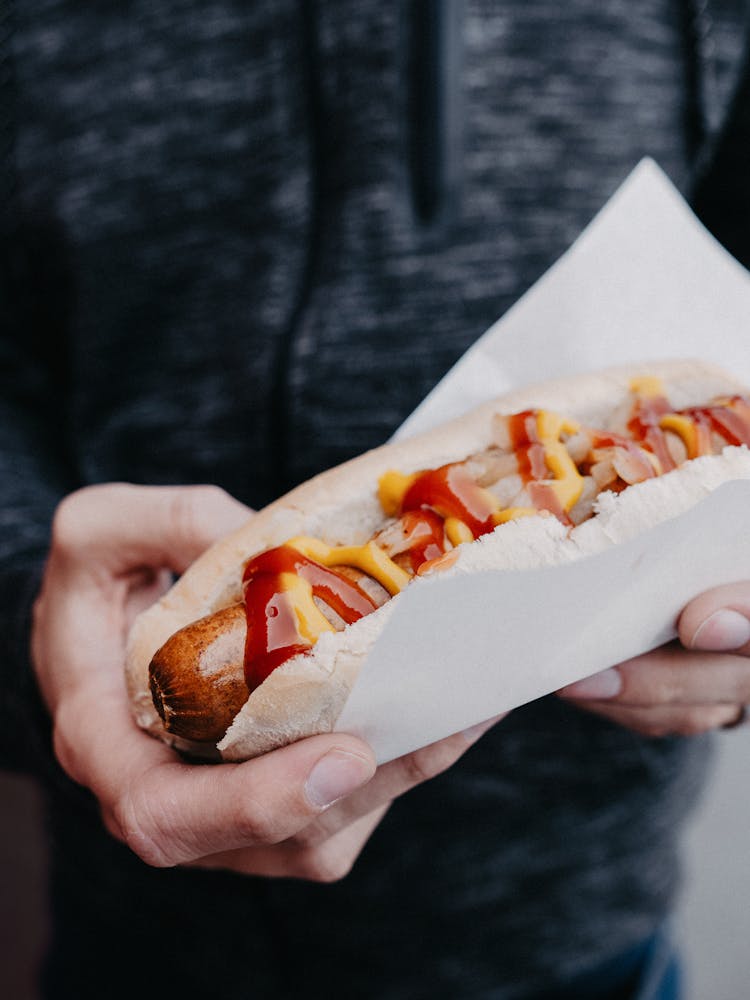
(255, 823)
(65, 738)
(63, 746)
(661, 686)
(416, 768)
(135, 825)
(183, 512)
(652, 729)
(324, 866)
(651, 725)
(700, 720)
(742, 691)
(427, 763)
(666, 688)
(140, 822)
(192, 508)
(67, 523)
(212, 495)
(311, 836)
(71, 529)
(656, 730)
(110, 823)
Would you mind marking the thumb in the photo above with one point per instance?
(718, 620)
(174, 813)
(121, 527)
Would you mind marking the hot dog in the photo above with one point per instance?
(259, 643)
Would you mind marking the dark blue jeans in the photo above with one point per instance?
(660, 978)
(650, 971)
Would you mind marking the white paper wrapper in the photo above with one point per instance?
(644, 281)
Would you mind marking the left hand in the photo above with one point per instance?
(701, 681)
(303, 811)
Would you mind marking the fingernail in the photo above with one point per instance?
(472, 734)
(724, 629)
(337, 774)
(604, 685)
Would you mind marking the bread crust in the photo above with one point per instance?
(340, 506)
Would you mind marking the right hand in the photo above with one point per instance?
(304, 811)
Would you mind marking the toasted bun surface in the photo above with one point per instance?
(306, 694)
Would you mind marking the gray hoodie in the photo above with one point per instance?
(243, 240)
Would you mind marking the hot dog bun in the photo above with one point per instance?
(306, 694)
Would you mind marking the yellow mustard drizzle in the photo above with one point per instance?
(311, 621)
(647, 386)
(392, 488)
(566, 481)
(457, 531)
(684, 428)
(370, 558)
(513, 513)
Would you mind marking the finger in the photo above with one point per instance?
(394, 779)
(145, 587)
(326, 861)
(669, 676)
(740, 718)
(171, 812)
(122, 527)
(351, 813)
(165, 810)
(666, 720)
(718, 620)
(78, 640)
(109, 548)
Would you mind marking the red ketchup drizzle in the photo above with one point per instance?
(731, 422)
(532, 463)
(452, 492)
(424, 536)
(524, 438)
(272, 630)
(644, 426)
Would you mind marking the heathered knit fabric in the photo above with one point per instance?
(220, 276)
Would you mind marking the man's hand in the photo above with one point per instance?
(113, 551)
(697, 683)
